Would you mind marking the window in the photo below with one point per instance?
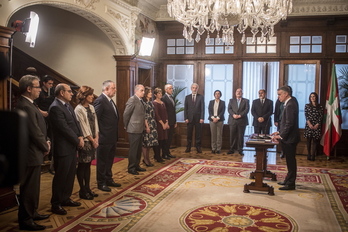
(342, 79)
(180, 76)
(261, 47)
(180, 46)
(305, 44)
(256, 76)
(341, 44)
(216, 46)
(218, 77)
(301, 78)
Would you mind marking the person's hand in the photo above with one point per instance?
(49, 147)
(201, 120)
(95, 143)
(260, 119)
(81, 142)
(147, 130)
(44, 113)
(175, 125)
(215, 120)
(186, 121)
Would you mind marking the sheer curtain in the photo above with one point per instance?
(256, 76)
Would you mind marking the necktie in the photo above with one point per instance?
(262, 101)
(194, 98)
(171, 99)
(68, 107)
(113, 106)
(238, 101)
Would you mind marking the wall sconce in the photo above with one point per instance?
(28, 27)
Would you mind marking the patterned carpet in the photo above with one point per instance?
(207, 195)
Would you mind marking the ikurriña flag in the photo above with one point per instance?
(332, 115)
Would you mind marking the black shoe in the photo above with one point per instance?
(288, 187)
(309, 157)
(113, 184)
(30, 225)
(147, 165)
(160, 161)
(133, 172)
(213, 151)
(86, 196)
(230, 152)
(139, 169)
(92, 193)
(71, 203)
(58, 210)
(171, 156)
(218, 152)
(199, 149)
(282, 183)
(104, 188)
(165, 157)
(39, 217)
(188, 149)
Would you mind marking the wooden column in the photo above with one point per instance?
(130, 71)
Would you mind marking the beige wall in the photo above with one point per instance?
(71, 45)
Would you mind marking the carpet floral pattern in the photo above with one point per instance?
(207, 195)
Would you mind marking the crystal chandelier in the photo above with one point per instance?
(224, 15)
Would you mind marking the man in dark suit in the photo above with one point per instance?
(38, 146)
(194, 117)
(134, 122)
(262, 109)
(238, 109)
(288, 135)
(66, 138)
(170, 106)
(108, 116)
(216, 117)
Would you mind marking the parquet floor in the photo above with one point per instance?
(8, 219)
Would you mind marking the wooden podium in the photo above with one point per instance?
(261, 145)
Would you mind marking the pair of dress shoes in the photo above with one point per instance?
(86, 195)
(57, 209)
(286, 186)
(136, 171)
(31, 226)
(39, 217)
(199, 149)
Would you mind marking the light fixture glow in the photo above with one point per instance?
(146, 46)
(224, 15)
(28, 27)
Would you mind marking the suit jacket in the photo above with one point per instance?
(170, 110)
(65, 129)
(107, 120)
(196, 110)
(37, 132)
(134, 115)
(277, 111)
(265, 111)
(220, 111)
(243, 110)
(289, 124)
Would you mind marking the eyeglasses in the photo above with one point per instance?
(36, 87)
(69, 91)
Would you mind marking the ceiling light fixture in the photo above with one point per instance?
(223, 16)
(28, 27)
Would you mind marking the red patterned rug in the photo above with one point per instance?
(207, 195)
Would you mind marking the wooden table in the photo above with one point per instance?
(261, 171)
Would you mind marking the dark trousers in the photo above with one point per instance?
(237, 137)
(261, 130)
(63, 180)
(29, 193)
(170, 138)
(134, 155)
(161, 149)
(198, 132)
(289, 150)
(105, 160)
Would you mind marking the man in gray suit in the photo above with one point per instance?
(38, 146)
(238, 109)
(262, 109)
(194, 117)
(134, 122)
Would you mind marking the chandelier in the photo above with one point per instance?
(226, 15)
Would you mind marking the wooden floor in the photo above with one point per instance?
(8, 218)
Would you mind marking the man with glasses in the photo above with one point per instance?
(67, 138)
(38, 146)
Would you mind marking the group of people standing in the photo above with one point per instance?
(91, 130)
